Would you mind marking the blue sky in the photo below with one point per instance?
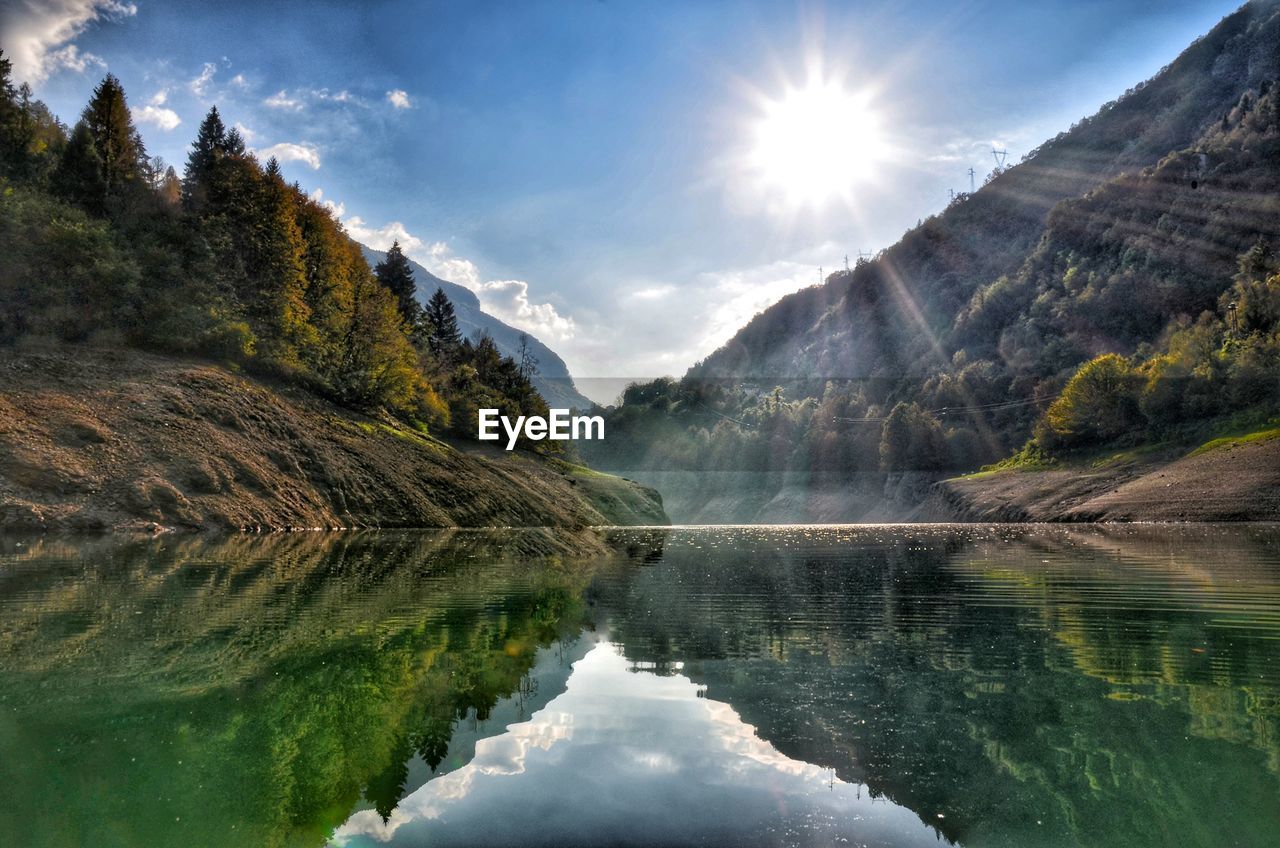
(581, 164)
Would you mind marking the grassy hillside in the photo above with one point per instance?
(94, 439)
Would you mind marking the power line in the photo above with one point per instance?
(948, 410)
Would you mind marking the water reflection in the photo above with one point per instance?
(1046, 686)
(626, 758)
(255, 691)
(982, 685)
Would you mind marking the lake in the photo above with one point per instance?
(875, 685)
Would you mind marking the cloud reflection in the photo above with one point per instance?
(627, 757)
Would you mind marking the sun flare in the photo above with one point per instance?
(815, 144)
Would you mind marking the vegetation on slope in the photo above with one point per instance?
(99, 242)
(1117, 285)
(100, 439)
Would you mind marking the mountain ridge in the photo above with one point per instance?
(1117, 288)
(990, 232)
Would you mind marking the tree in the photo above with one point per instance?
(14, 135)
(275, 295)
(206, 151)
(115, 137)
(526, 360)
(79, 175)
(396, 275)
(912, 440)
(1098, 403)
(170, 188)
(442, 334)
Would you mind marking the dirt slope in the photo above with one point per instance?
(1231, 480)
(94, 439)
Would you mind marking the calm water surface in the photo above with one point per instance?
(890, 686)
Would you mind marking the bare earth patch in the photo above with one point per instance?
(1228, 480)
(105, 439)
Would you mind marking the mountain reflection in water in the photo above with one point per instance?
(985, 686)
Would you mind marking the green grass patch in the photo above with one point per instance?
(1241, 439)
(1030, 458)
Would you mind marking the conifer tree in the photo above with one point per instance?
(13, 142)
(394, 273)
(235, 143)
(79, 176)
(443, 336)
(170, 188)
(117, 140)
(208, 148)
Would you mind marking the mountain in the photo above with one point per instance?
(1118, 288)
(552, 381)
(938, 267)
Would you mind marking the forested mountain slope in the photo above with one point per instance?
(938, 267)
(1118, 287)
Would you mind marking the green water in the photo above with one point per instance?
(720, 686)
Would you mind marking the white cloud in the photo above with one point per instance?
(441, 261)
(736, 296)
(239, 81)
(70, 58)
(247, 134)
(296, 100)
(436, 257)
(381, 238)
(343, 96)
(658, 292)
(288, 151)
(509, 301)
(200, 84)
(281, 100)
(165, 119)
(399, 98)
(38, 35)
(337, 210)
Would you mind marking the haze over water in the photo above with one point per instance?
(770, 686)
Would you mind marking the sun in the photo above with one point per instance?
(815, 144)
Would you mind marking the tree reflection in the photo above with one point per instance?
(1094, 687)
(256, 687)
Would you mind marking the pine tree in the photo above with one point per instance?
(208, 148)
(79, 175)
(117, 140)
(235, 142)
(395, 273)
(443, 336)
(13, 138)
